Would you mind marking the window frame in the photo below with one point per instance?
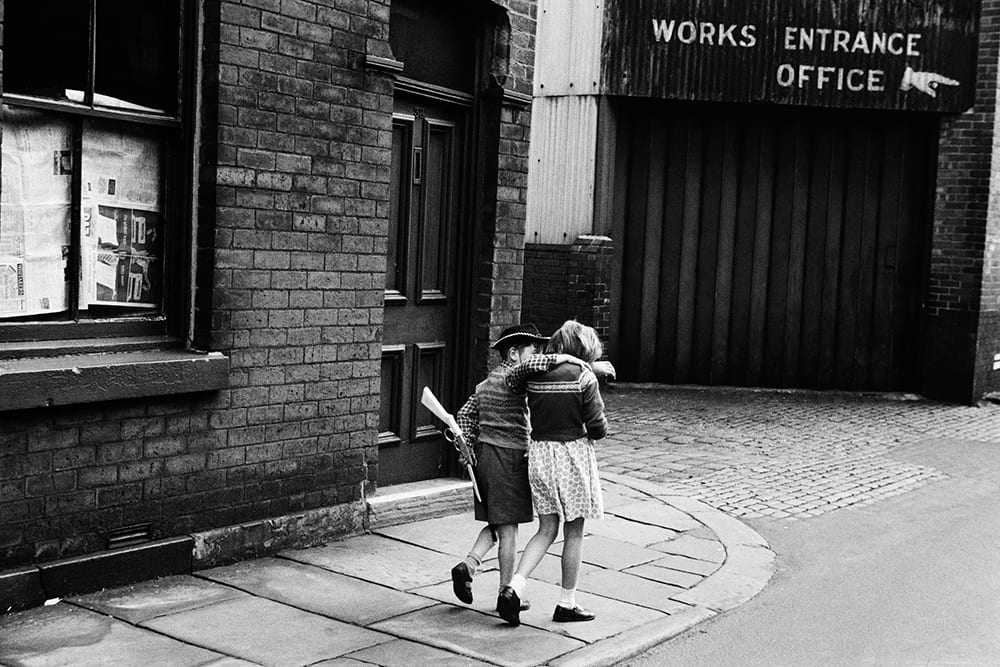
(51, 363)
(171, 323)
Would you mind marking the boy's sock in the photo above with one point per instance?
(518, 583)
(473, 561)
(567, 597)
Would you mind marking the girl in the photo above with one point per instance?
(567, 415)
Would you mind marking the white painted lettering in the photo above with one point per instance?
(823, 76)
(790, 32)
(687, 32)
(726, 35)
(806, 40)
(895, 45)
(878, 42)
(805, 72)
(860, 43)
(823, 34)
(706, 33)
(840, 40)
(786, 75)
(795, 38)
(876, 80)
(851, 76)
(663, 30)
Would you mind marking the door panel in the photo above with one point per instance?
(774, 246)
(421, 281)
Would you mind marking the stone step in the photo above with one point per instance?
(415, 501)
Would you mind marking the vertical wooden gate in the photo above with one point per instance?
(774, 246)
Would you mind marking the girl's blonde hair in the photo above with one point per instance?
(578, 340)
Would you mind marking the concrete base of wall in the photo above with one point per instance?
(254, 539)
(31, 586)
(28, 587)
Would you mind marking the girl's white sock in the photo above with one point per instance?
(567, 597)
(518, 583)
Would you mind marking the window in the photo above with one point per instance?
(93, 215)
(96, 203)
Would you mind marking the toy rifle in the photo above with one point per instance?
(452, 434)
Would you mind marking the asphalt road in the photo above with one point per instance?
(913, 579)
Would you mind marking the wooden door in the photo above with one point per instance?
(428, 151)
(774, 246)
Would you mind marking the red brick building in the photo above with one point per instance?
(802, 198)
(237, 238)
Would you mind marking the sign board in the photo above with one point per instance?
(916, 55)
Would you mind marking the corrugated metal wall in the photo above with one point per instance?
(561, 169)
(570, 61)
(564, 121)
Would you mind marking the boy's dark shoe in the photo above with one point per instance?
(572, 614)
(509, 605)
(525, 605)
(461, 582)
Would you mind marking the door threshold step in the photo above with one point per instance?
(416, 501)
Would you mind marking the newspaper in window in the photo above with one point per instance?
(34, 213)
(123, 266)
(122, 224)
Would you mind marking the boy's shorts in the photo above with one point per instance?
(502, 476)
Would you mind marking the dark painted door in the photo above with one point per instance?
(774, 246)
(428, 151)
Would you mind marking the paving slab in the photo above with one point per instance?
(317, 590)
(141, 602)
(722, 591)
(666, 575)
(62, 634)
(380, 560)
(265, 632)
(686, 564)
(756, 562)
(616, 495)
(624, 530)
(452, 534)
(481, 636)
(613, 554)
(730, 530)
(633, 590)
(634, 641)
(404, 653)
(613, 616)
(657, 513)
(484, 593)
(699, 548)
(550, 569)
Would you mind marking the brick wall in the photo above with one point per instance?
(505, 176)
(988, 379)
(964, 284)
(565, 282)
(292, 233)
(294, 199)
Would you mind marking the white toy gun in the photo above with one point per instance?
(453, 434)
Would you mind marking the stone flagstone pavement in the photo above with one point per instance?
(657, 565)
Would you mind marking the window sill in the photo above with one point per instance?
(89, 378)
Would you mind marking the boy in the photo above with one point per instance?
(495, 421)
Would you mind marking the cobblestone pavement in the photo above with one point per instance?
(781, 454)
